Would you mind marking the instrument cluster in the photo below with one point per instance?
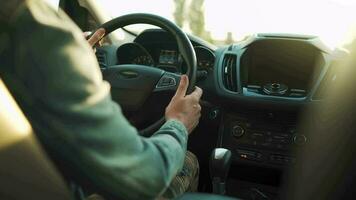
(168, 59)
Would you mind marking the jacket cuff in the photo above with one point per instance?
(176, 124)
(176, 129)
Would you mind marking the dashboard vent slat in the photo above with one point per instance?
(229, 72)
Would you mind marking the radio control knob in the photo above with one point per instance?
(238, 131)
(300, 140)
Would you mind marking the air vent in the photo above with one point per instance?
(101, 57)
(229, 72)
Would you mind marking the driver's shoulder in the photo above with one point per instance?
(17, 12)
(9, 8)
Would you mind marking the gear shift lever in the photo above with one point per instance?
(220, 162)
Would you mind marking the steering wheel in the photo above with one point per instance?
(132, 84)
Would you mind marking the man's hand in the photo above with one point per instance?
(185, 108)
(96, 37)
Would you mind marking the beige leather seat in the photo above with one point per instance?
(25, 170)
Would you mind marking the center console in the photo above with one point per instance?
(268, 80)
(265, 139)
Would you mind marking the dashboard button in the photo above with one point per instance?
(280, 146)
(249, 155)
(254, 87)
(281, 159)
(275, 89)
(267, 144)
(253, 90)
(296, 95)
(300, 140)
(298, 90)
(256, 135)
(278, 137)
(238, 131)
(213, 114)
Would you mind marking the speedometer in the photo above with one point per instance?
(205, 58)
(134, 53)
(143, 60)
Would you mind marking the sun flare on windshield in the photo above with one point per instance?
(231, 20)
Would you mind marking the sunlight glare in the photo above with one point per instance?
(331, 20)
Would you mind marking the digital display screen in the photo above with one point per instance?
(168, 57)
(292, 65)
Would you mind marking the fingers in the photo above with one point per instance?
(96, 37)
(197, 93)
(182, 87)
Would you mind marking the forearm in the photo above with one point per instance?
(133, 167)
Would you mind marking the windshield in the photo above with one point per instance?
(225, 21)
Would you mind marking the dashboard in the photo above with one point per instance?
(257, 87)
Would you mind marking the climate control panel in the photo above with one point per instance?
(265, 138)
(262, 142)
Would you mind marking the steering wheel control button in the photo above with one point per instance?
(300, 140)
(238, 131)
(166, 81)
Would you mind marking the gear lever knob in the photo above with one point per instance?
(220, 162)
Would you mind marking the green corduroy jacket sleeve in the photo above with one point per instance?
(76, 115)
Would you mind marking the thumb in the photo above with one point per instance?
(182, 87)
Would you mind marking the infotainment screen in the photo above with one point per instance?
(293, 65)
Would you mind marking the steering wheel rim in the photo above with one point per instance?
(185, 48)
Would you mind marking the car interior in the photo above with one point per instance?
(278, 111)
